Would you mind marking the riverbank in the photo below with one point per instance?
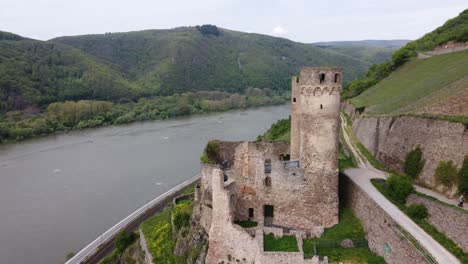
(62, 117)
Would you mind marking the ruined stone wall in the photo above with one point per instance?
(451, 222)
(381, 229)
(295, 118)
(389, 139)
(299, 202)
(226, 240)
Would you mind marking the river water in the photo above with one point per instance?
(58, 193)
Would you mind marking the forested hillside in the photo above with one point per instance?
(189, 58)
(36, 73)
(128, 66)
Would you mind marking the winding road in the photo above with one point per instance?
(362, 175)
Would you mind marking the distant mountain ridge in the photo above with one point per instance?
(391, 44)
(130, 65)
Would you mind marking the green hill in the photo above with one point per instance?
(37, 73)
(455, 29)
(188, 59)
(127, 66)
(429, 86)
(367, 54)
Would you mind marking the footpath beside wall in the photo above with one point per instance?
(384, 235)
(453, 223)
(389, 139)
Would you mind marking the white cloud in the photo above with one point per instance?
(279, 31)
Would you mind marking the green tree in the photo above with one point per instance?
(463, 177)
(414, 163)
(417, 211)
(446, 173)
(399, 187)
(124, 239)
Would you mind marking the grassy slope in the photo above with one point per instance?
(413, 82)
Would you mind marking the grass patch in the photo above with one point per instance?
(158, 234)
(344, 161)
(349, 227)
(446, 242)
(246, 224)
(190, 189)
(285, 243)
(352, 255)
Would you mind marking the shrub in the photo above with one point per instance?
(399, 187)
(417, 211)
(124, 239)
(211, 153)
(414, 162)
(446, 173)
(182, 214)
(208, 30)
(463, 177)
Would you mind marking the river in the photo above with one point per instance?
(60, 192)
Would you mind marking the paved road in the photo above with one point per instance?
(362, 175)
(94, 252)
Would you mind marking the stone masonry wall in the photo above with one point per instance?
(381, 229)
(389, 139)
(451, 222)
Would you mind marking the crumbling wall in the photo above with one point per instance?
(384, 236)
(299, 202)
(226, 240)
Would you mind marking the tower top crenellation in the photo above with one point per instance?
(329, 76)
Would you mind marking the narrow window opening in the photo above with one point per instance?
(336, 77)
(251, 213)
(268, 181)
(268, 166)
(322, 77)
(294, 99)
(321, 106)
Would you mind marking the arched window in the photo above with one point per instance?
(294, 99)
(322, 77)
(321, 106)
(337, 76)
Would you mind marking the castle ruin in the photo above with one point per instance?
(284, 188)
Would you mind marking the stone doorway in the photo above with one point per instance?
(268, 213)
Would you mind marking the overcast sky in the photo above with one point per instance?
(299, 20)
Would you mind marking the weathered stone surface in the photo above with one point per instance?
(382, 231)
(389, 139)
(451, 222)
(347, 243)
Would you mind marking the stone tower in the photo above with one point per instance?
(315, 123)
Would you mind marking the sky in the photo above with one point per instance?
(299, 20)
